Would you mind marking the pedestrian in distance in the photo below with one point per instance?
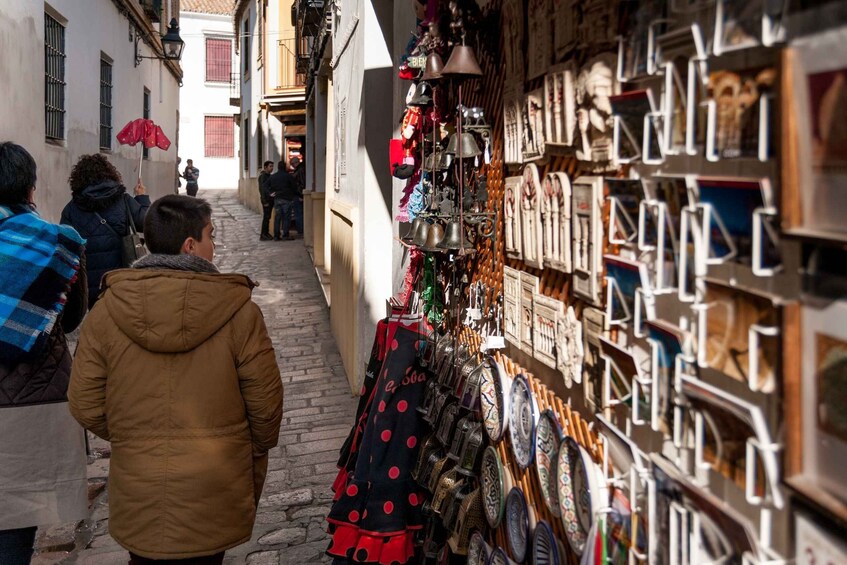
(282, 186)
(194, 393)
(101, 211)
(266, 200)
(43, 294)
(191, 174)
(298, 171)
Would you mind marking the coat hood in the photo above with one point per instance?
(99, 196)
(168, 311)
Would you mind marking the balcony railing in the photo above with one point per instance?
(291, 73)
(235, 89)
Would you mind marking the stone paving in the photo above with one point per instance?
(318, 410)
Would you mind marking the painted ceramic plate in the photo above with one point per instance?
(545, 547)
(588, 486)
(492, 477)
(517, 524)
(493, 393)
(548, 438)
(478, 550)
(499, 557)
(522, 419)
(566, 463)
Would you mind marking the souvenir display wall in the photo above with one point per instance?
(621, 338)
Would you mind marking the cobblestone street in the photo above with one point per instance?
(318, 409)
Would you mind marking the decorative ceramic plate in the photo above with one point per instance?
(478, 550)
(499, 557)
(493, 487)
(548, 438)
(493, 394)
(522, 419)
(589, 488)
(545, 546)
(565, 467)
(517, 524)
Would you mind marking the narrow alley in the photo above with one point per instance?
(318, 409)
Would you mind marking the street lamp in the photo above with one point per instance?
(172, 44)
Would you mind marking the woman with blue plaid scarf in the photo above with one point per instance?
(42, 296)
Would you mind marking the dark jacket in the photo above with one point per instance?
(264, 195)
(299, 174)
(283, 185)
(87, 211)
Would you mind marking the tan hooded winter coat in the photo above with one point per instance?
(176, 369)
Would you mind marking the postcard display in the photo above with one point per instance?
(636, 345)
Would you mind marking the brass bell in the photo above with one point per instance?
(434, 67)
(413, 229)
(462, 63)
(454, 239)
(468, 147)
(433, 238)
(419, 238)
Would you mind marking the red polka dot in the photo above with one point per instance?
(393, 472)
(412, 442)
(381, 407)
(388, 507)
(386, 435)
(413, 499)
(402, 406)
(352, 490)
(353, 516)
(394, 345)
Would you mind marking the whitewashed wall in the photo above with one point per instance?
(199, 98)
(93, 26)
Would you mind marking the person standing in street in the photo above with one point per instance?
(298, 171)
(100, 210)
(283, 188)
(43, 293)
(191, 174)
(266, 200)
(176, 369)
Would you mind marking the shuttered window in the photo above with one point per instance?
(218, 60)
(219, 136)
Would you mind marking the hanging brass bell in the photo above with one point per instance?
(454, 239)
(462, 63)
(434, 67)
(413, 229)
(419, 238)
(433, 238)
(468, 147)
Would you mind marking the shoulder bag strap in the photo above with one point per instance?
(131, 230)
(107, 224)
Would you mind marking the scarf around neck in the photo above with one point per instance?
(180, 262)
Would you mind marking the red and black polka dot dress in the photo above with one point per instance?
(377, 510)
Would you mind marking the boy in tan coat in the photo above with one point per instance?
(175, 368)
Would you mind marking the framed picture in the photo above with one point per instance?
(595, 84)
(739, 335)
(556, 221)
(621, 379)
(539, 50)
(587, 229)
(741, 113)
(625, 197)
(634, 134)
(532, 125)
(738, 25)
(628, 296)
(639, 23)
(512, 217)
(531, 228)
(528, 290)
(560, 105)
(512, 128)
(546, 314)
(512, 306)
(814, 146)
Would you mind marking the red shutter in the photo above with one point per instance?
(219, 137)
(218, 60)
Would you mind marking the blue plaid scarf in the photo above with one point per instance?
(38, 263)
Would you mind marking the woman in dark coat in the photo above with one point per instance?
(99, 210)
(43, 295)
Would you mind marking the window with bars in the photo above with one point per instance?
(218, 60)
(245, 145)
(145, 113)
(54, 78)
(245, 40)
(105, 104)
(219, 136)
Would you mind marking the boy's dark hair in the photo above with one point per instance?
(266, 163)
(172, 219)
(17, 174)
(281, 165)
(91, 170)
